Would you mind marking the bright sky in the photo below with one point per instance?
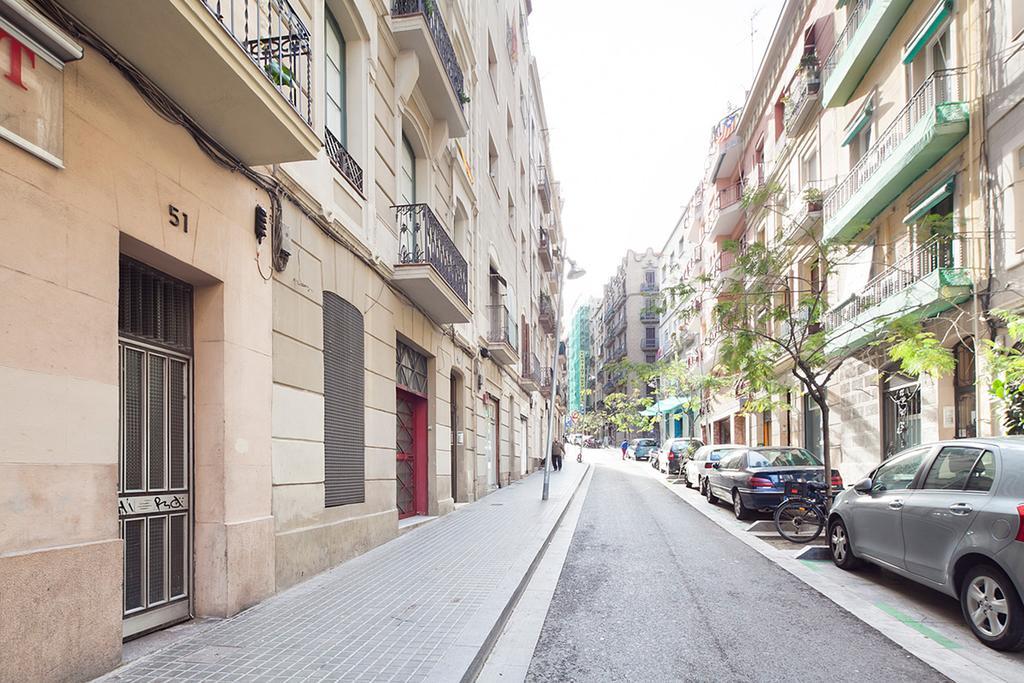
(632, 90)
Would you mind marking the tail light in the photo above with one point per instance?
(708, 465)
(671, 456)
(760, 483)
(1020, 528)
(837, 479)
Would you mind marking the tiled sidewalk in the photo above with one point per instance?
(417, 608)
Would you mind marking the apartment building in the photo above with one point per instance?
(579, 347)
(628, 322)
(281, 282)
(859, 121)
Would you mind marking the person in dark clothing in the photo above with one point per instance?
(557, 451)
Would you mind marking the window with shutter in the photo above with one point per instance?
(344, 429)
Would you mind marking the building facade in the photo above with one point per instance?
(862, 125)
(269, 303)
(580, 361)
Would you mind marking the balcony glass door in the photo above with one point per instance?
(334, 75)
(901, 414)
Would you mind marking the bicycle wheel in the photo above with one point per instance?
(798, 521)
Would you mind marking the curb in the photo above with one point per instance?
(476, 666)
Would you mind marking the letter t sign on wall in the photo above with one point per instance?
(17, 50)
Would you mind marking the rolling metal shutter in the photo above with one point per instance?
(344, 429)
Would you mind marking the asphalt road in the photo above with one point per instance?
(651, 590)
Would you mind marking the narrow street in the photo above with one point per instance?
(653, 590)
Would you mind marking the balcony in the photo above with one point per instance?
(932, 123)
(241, 70)
(869, 26)
(419, 27)
(544, 189)
(922, 284)
(546, 316)
(727, 154)
(648, 286)
(647, 344)
(616, 325)
(807, 209)
(547, 260)
(802, 100)
(545, 382)
(530, 373)
(343, 161)
(650, 315)
(430, 269)
(502, 336)
(725, 211)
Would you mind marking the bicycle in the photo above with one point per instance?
(801, 516)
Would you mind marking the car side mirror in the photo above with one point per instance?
(717, 465)
(864, 485)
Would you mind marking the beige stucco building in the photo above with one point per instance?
(273, 293)
(864, 124)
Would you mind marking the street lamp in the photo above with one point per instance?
(575, 273)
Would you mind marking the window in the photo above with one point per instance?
(783, 457)
(952, 468)
(492, 160)
(964, 390)
(809, 168)
(334, 88)
(983, 473)
(407, 174)
(492, 65)
(897, 474)
(651, 333)
(344, 429)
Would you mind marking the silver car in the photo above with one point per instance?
(950, 516)
(695, 467)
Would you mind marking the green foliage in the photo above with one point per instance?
(1006, 368)
(918, 352)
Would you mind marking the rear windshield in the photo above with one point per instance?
(646, 442)
(719, 454)
(783, 457)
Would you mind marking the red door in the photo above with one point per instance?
(411, 464)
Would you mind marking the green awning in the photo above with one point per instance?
(665, 405)
(858, 125)
(927, 31)
(921, 208)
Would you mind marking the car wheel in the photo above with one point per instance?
(686, 478)
(992, 608)
(712, 498)
(741, 511)
(839, 545)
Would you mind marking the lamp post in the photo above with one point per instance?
(574, 273)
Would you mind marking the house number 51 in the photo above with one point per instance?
(177, 217)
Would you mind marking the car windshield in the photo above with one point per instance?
(783, 457)
(646, 442)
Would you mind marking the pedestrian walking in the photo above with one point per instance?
(624, 445)
(557, 451)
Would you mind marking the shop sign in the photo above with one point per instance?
(31, 95)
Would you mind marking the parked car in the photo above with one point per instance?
(640, 449)
(695, 467)
(950, 516)
(754, 478)
(675, 451)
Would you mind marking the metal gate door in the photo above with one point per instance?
(155, 463)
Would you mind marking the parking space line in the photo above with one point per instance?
(918, 626)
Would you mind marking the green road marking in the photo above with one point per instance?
(812, 564)
(918, 626)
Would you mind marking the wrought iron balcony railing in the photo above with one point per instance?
(274, 37)
(546, 315)
(649, 316)
(439, 32)
(941, 86)
(531, 368)
(806, 87)
(648, 286)
(422, 239)
(503, 329)
(931, 256)
(648, 344)
(856, 19)
(343, 161)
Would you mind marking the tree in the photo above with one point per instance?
(771, 318)
(1006, 371)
